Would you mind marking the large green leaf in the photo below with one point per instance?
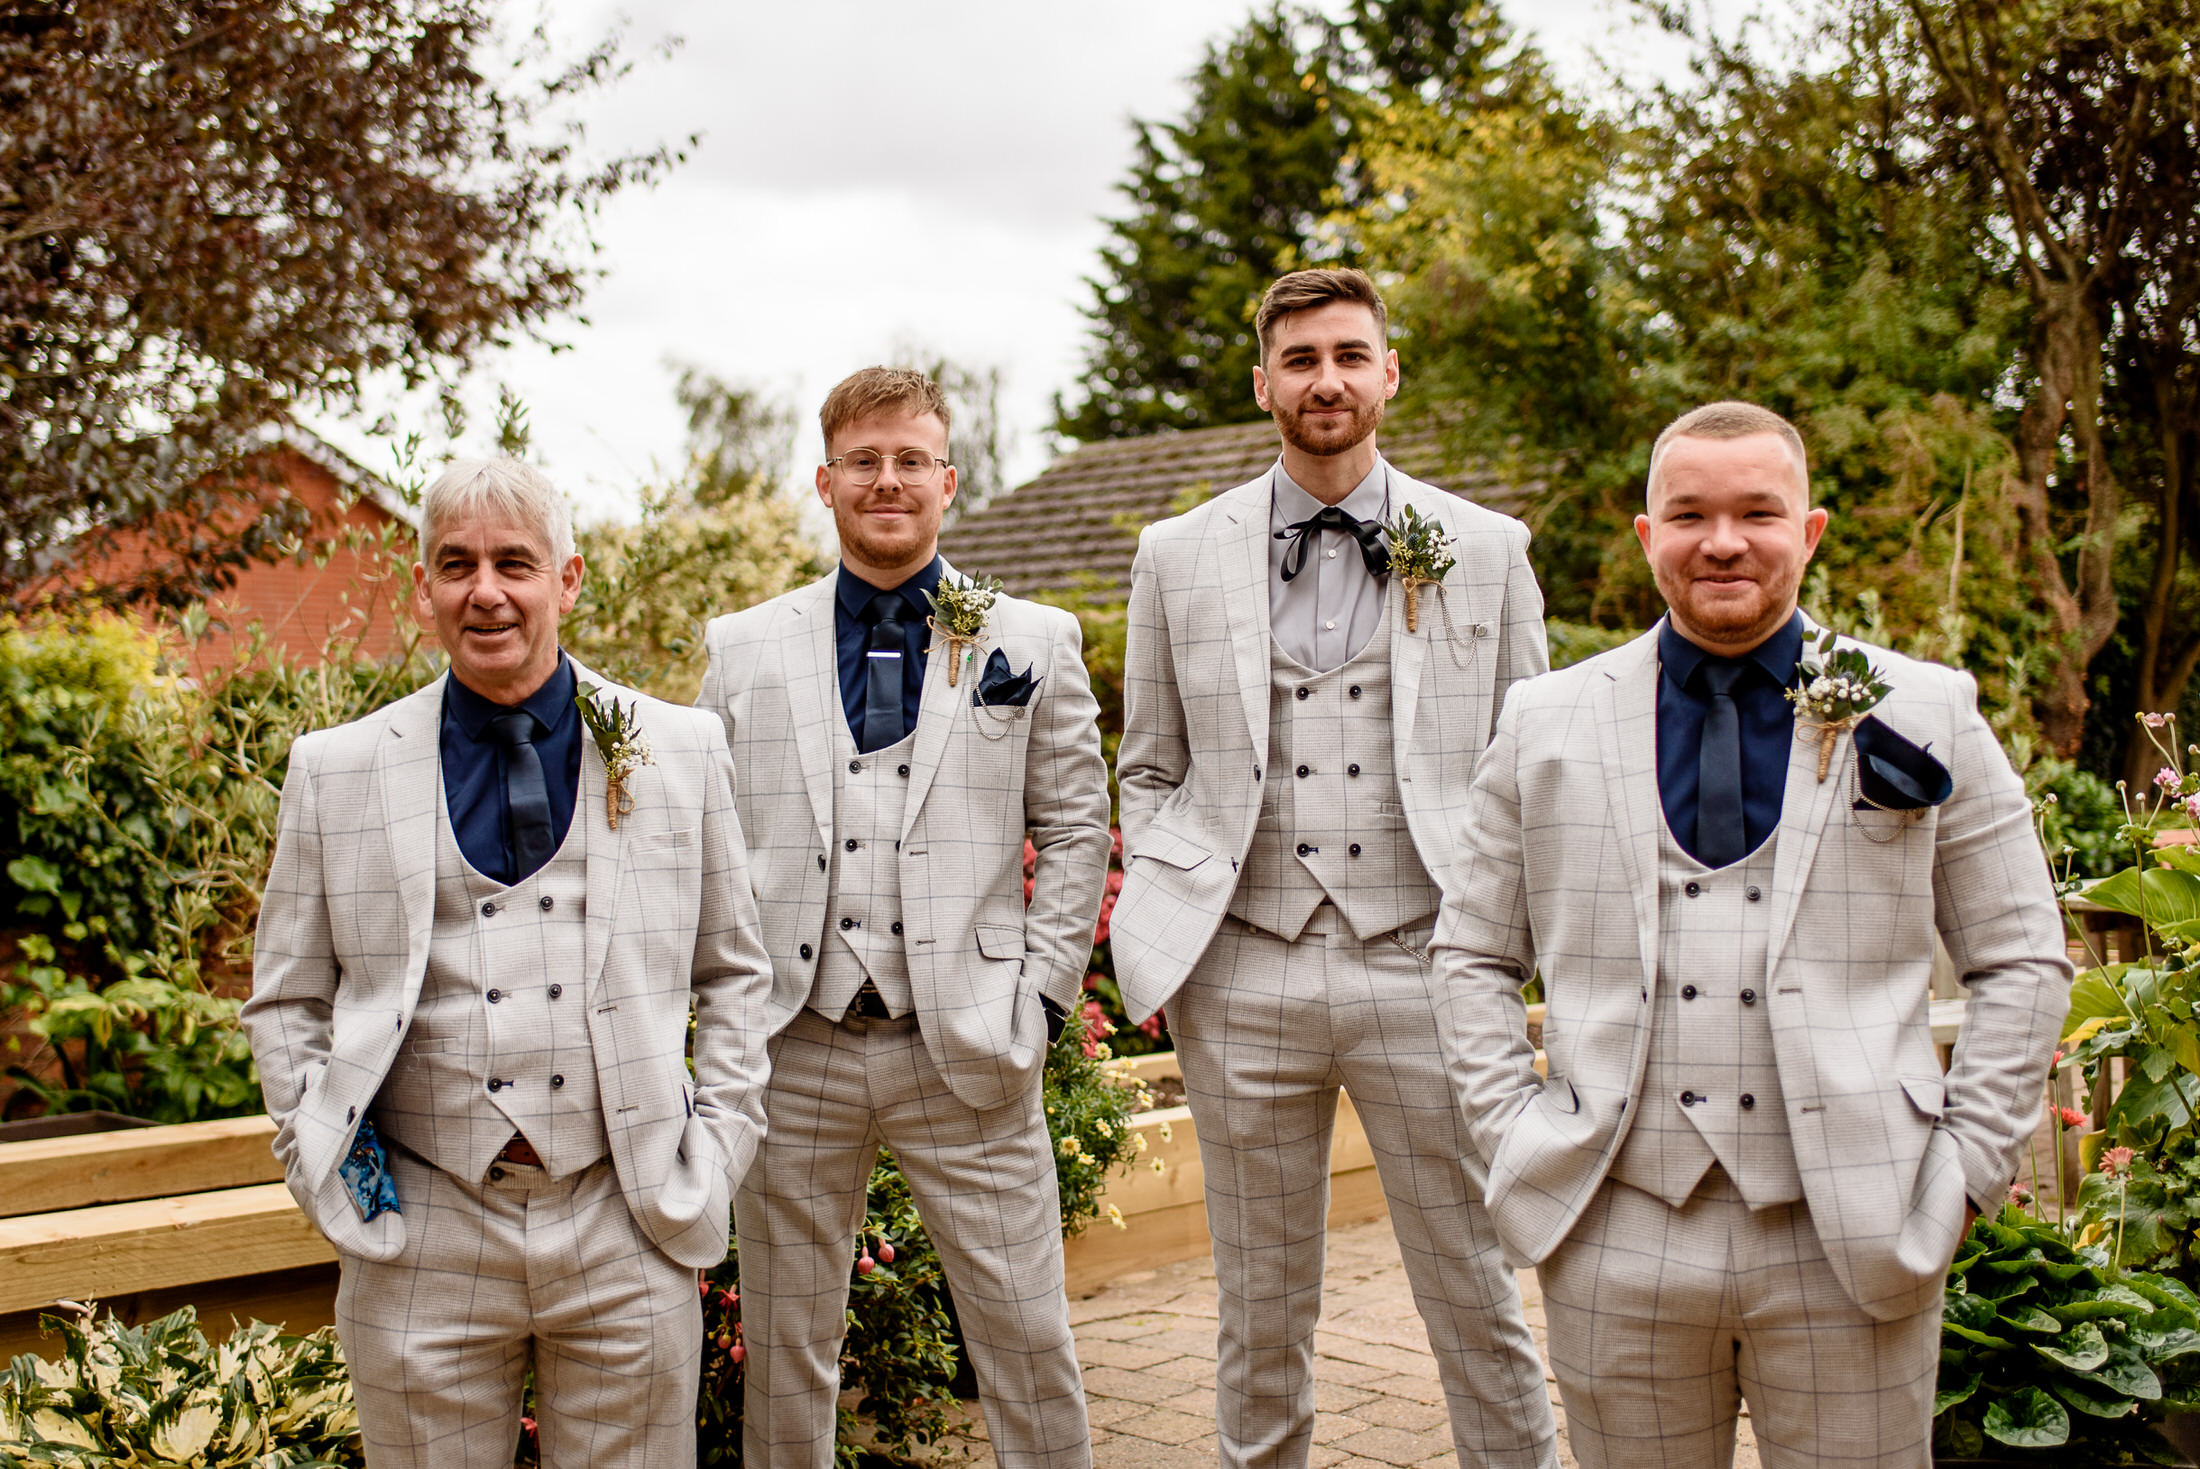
(2165, 1346)
(2082, 1348)
(2027, 1420)
(2126, 1374)
(2070, 1313)
(2096, 995)
(2171, 1098)
(2087, 1398)
(1953, 1392)
(2031, 1318)
(2161, 896)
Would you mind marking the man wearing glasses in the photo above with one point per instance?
(887, 778)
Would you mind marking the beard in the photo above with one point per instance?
(886, 544)
(1733, 617)
(1325, 439)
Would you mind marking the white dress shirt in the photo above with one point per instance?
(1325, 614)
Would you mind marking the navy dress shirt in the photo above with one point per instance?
(473, 767)
(852, 636)
(1768, 729)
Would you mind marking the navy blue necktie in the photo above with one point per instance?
(526, 794)
(1720, 837)
(882, 716)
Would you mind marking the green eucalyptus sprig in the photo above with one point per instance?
(1836, 689)
(1420, 555)
(959, 610)
(619, 739)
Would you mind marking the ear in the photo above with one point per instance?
(1642, 533)
(825, 486)
(570, 576)
(1390, 373)
(1260, 390)
(1814, 526)
(423, 605)
(950, 481)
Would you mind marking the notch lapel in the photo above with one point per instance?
(1408, 651)
(938, 707)
(1241, 545)
(1806, 803)
(605, 848)
(1627, 721)
(411, 775)
(810, 663)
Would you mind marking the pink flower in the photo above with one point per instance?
(2070, 1117)
(2154, 721)
(1115, 842)
(2020, 1195)
(2116, 1162)
(2192, 806)
(2166, 778)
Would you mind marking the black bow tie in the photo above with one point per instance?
(1374, 551)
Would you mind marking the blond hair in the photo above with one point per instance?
(1729, 419)
(874, 390)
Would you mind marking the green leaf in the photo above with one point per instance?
(1948, 1396)
(2095, 995)
(2159, 895)
(1984, 1339)
(2081, 1348)
(2127, 1374)
(35, 874)
(2027, 1420)
(2083, 1397)
(2031, 1318)
(2070, 1313)
(2165, 1346)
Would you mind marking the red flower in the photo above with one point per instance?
(1115, 842)
(1151, 1025)
(1092, 982)
(1115, 883)
(2070, 1116)
(1027, 892)
(1031, 857)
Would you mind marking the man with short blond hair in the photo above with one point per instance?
(1744, 1175)
(470, 1008)
(1296, 755)
(889, 775)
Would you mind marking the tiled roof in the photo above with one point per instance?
(1080, 519)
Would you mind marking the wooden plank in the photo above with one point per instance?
(297, 1300)
(112, 1249)
(144, 1163)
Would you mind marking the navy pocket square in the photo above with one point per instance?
(1895, 775)
(1000, 689)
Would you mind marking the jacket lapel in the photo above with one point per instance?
(1408, 651)
(1627, 716)
(937, 709)
(810, 660)
(411, 776)
(606, 848)
(1241, 544)
(1806, 803)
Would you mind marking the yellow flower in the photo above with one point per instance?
(1141, 1137)
(1115, 1217)
(1159, 1166)
(1103, 1128)
(1072, 1148)
(1168, 1134)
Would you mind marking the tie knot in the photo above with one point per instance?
(514, 729)
(1720, 675)
(885, 607)
(1374, 552)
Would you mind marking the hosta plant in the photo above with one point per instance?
(161, 1394)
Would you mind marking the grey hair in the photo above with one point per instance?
(508, 487)
(1730, 419)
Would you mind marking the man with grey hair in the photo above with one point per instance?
(1727, 848)
(493, 906)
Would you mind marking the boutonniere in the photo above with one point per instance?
(1420, 555)
(959, 611)
(619, 739)
(1836, 692)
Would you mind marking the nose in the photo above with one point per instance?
(1723, 539)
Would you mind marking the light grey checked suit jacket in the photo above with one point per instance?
(1559, 873)
(978, 779)
(343, 945)
(1195, 709)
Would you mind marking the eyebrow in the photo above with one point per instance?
(1674, 498)
(1360, 343)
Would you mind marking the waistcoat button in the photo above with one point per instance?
(855, 767)
(805, 951)
(1688, 1099)
(1304, 772)
(1753, 892)
(1354, 691)
(495, 1085)
(1749, 997)
(847, 923)
(1352, 770)
(556, 990)
(1355, 849)
(901, 770)
(897, 925)
(1304, 849)
(548, 902)
(1693, 889)
(1748, 1101)
(496, 1175)
(488, 910)
(558, 1080)
(851, 844)
(1299, 694)
(495, 995)
(1688, 992)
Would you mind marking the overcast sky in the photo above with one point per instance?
(869, 172)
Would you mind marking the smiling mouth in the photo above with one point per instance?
(491, 629)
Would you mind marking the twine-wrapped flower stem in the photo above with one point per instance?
(959, 610)
(1836, 690)
(619, 739)
(1419, 557)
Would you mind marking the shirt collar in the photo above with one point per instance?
(1368, 500)
(854, 594)
(1776, 655)
(549, 704)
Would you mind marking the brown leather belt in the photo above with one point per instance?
(520, 1151)
(868, 1004)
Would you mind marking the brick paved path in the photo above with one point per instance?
(1147, 1342)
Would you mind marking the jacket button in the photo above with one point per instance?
(1693, 889)
(556, 990)
(846, 924)
(558, 1080)
(1688, 1099)
(495, 1085)
(488, 910)
(350, 1113)
(855, 767)
(495, 995)
(1299, 694)
(1354, 691)
(1256, 772)
(805, 951)
(1304, 849)
(1749, 997)
(1355, 849)
(851, 844)
(496, 1175)
(897, 925)
(1304, 772)
(1352, 770)
(901, 770)
(821, 861)
(1688, 992)
(547, 903)
(1748, 1101)
(1753, 892)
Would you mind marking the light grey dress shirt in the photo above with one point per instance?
(1325, 614)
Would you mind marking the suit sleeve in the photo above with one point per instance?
(731, 977)
(1156, 752)
(294, 967)
(1994, 903)
(1484, 951)
(1066, 814)
(1524, 647)
(715, 695)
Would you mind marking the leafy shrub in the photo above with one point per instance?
(2052, 1352)
(160, 1394)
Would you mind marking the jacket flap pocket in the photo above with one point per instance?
(1164, 845)
(997, 941)
(1929, 1094)
(1559, 1095)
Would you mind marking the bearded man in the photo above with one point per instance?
(1296, 757)
(1744, 1176)
(892, 758)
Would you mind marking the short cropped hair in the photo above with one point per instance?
(1730, 419)
(901, 390)
(1303, 290)
(508, 487)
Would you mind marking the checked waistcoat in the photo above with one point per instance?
(1331, 822)
(863, 897)
(499, 1041)
(1711, 1088)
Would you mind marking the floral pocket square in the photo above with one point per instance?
(366, 1173)
(1895, 775)
(1000, 689)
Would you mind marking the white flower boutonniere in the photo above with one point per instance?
(1420, 556)
(959, 610)
(1836, 693)
(619, 739)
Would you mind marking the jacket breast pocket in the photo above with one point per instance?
(998, 941)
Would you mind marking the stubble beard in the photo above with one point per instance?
(858, 533)
(1729, 620)
(1323, 444)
